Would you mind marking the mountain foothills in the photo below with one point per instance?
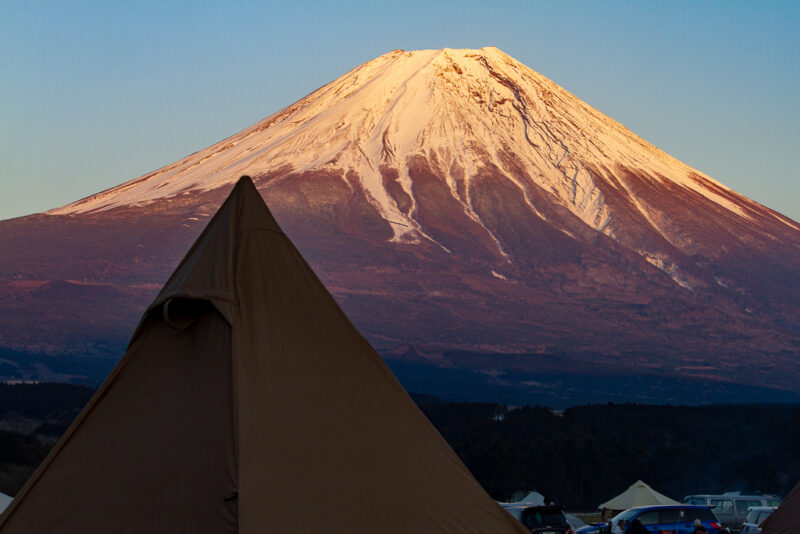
(469, 215)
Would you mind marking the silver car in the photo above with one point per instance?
(755, 516)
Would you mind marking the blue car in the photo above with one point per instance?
(664, 519)
(594, 528)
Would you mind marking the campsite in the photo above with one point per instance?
(507, 449)
(519, 267)
(206, 419)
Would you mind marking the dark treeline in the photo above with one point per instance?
(32, 418)
(580, 457)
(587, 454)
(19, 455)
(42, 400)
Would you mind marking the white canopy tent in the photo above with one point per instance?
(638, 494)
(533, 498)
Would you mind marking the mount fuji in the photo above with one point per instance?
(478, 223)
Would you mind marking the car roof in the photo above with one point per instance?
(732, 495)
(667, 506)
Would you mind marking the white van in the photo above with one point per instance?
(731, 507)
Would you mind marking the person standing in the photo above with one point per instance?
(698, 527)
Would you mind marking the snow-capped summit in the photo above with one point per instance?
(463, 109)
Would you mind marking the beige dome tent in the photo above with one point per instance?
(638, 494)
(786, 519)
(247, 403)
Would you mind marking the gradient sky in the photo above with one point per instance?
(93, 94)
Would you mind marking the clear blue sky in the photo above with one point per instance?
(93, 94)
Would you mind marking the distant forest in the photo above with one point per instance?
(579, 457)
(585, 455)
(32, 418)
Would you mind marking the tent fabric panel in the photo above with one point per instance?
(155, 453)
(270, 413)
(329, 439)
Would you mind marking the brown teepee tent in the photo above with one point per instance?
(786, 519)
(247, 402)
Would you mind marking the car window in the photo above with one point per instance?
(762, 516)
(538, 518)
(649, 518)
(670, 515)
(752, 516)
(627, 514)
(703, 514)
(773, 502)
(554, 519)
(742, 505)
(722, 506)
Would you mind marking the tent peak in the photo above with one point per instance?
(249, 209)
(207, 270)
(243, 182)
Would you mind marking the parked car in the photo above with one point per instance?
(520, 500)
(541, 519)
(756, 516)
(666, 519)
(593, 528)
(731, 507)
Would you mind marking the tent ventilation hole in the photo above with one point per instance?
(181, 313)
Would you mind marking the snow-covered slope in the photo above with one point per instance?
(463, 110)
